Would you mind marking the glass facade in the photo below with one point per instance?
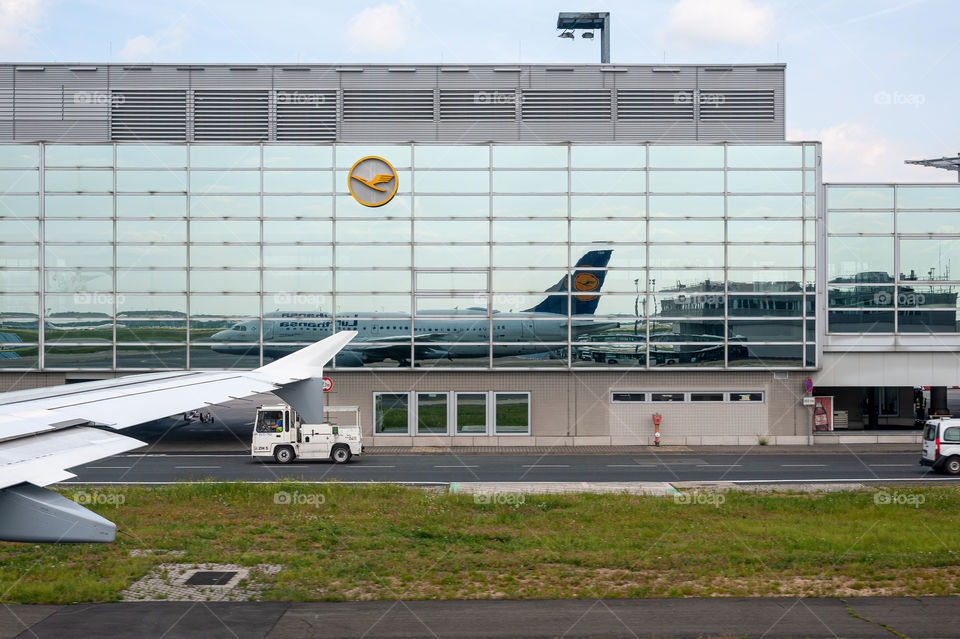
(142, 257)
(890, 251)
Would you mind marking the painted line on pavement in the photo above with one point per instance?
(719, 465)
(631, 465)
(802, 465)
(456, 466)
(106, 467)
(185, 467)
(545, 466)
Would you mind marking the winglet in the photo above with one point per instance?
(309, 361)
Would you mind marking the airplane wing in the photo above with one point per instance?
(45, 431)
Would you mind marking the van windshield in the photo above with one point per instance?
(930, 432)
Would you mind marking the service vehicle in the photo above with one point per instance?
(279, 432)
(941, 445)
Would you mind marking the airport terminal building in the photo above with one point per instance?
(531, 254)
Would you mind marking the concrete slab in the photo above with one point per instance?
(15, 619)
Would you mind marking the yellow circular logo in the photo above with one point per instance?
(372, 181)
(585, 282)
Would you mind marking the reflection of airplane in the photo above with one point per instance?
(45, 431)
(383, 178)
(443, 334)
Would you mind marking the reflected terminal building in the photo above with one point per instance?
(531, 254)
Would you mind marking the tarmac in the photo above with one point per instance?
(869, 617)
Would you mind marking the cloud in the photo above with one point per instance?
(693, 23)
(18, 20)
(385, 27)
(854, 153)
(153, 47)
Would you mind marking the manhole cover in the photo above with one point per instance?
(210, 578)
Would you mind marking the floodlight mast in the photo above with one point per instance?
(598, 20)
(950, 164)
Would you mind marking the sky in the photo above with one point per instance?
(874, 80)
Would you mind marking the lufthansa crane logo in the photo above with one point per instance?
(372, 181)
(584, 281)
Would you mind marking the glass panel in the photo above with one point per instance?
(765, 256)
(593, 206)
(310, 206)
(89, 330)
(297, 182)
(151, 281)
(765, 206)
(78, 206)
(451, 281)
(471, 411)
(216, 231)
(79, 356)
(698, 280)
(809, 181)
(608, 156)
(224, 306)
(928, 259)
(398, 207)
(860, 296)
(686, 231)
(451, 231)
(297, 256)
(151, 231)
(348, 155)
(391, 412)
(928, 309)
(78, 257)
(19, 205)
(17, 156)
(150, 156)
(225, 181)
(765, 305)
(862, 222)
(610, 181)
(226, 257)
(451, 256)
(452, 206)
(929, 321)
(686, 157)
(764, 181)
(86, 281)
(297, 156)
(928, 197)
(757, 231)
(381, 256)
(224, 356)
(221, 281)
(20, 356)
(431, 413)
(766, 281)
(860, 321)
(512, 413)
(297, 281)
(608, 230)
(527, 256)
(224, 206)
(429, 156)
(695, 355)
(19, 281)
(765, 356)
(301, 231)
(19, 181)
(453, 181)
(859, 197)
(20, 230)
(152, 330)
(516, 156)
(552, 231)
(151, 357)
(19, 256)
(164, 306)
(395, 306)
(529, 206)
(78, 155)
(666, 256)
(810, 156)
(686, 206)
(152, 181)
(524, 280)
(686, 182)
(78, 231)
(77, 181)
(151, 206)
(384, 230)
(688, 304)
(529, 181)
(373, 281)
(151, 256)
(698, 330)
(224, 156)
(764, 157)
(927, 222)
(19, 305)
(860, 259)
(765, 330)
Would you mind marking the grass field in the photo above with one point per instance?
(338, 542)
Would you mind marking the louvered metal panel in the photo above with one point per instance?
(60, 131)
(737, 105)
(478, 104)
(38, 104)
(6, 104)
(148, 115)
(660, 104)
(83, 104)
(372, 106)
(565, 105)
(306, 115)
(231, 116)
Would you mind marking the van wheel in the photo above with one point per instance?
(341, 454)
(952, 467)
(284, 455)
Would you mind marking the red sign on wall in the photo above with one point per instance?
(823, 414)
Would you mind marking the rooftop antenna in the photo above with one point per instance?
(948, 163)
(570, 21)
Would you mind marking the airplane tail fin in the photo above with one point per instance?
(587, 279)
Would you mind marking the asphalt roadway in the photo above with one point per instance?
(876, 617)
(427, 469)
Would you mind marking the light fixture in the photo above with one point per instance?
(566, 34)
(588, 35)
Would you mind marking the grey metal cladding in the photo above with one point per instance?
(446, 102)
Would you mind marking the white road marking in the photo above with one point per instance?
(802, 465)
(107, 467)
(178, 455)
(718, 465)
(631, 465)
(456, 467)
(545, 466)
(182, 467)
(366, 466)
(892, 465)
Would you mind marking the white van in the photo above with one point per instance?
(941, 445)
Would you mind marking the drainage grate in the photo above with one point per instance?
(210, 578)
